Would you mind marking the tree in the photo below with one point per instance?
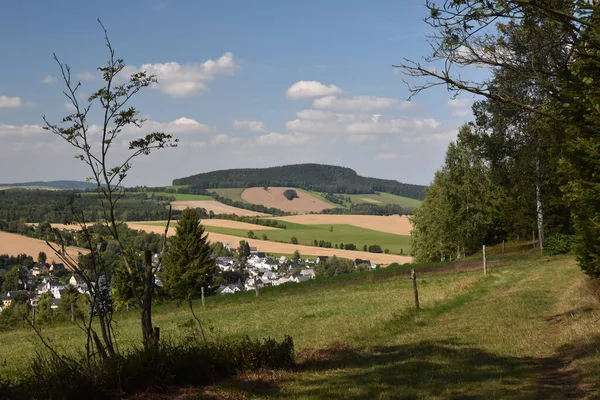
(44, 313)
(365, 247)
(375, 248)
(95, 152)
(13, 279)
(243, 252)
(251, 235)
(188, 265)
(264, 236)
(296, 257)
(331, 229)
(294, 240)
(42, 257)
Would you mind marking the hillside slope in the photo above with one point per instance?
(51, 185)
(317, 177)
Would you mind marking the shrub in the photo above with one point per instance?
(190, 362)
(350, 246)
(558, 244)
(264, 236)
(290, 194)
(294, 240)
(375, 248)
(251, 235)
(386, 251)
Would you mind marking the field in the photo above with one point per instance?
(384, 198)
(273, 197)
(234, 194)
(526, 330)
(214, 206)
(395, 224)
(283, 248)
(13, 245)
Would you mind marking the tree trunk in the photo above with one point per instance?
(538, 199)
(149, 335)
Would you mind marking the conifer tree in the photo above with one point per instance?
(188, 266)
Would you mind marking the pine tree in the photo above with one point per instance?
(188, 266)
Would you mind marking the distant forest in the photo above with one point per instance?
(53, 184)
(316, 177)
(59, 206)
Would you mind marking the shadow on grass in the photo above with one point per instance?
(439, 369)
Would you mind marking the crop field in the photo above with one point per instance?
(270, 247)
(273, 197)
(394, 224)
(14, 244)
(526, 330)
(214, 206)
(384, 198)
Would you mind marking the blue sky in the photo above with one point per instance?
(242, 84)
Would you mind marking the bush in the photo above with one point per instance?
(349, 246)
(375, 248)
(294, 240)
(264, 236)
(558, 244)
(251, 234)
(290, 194)
(188, 363)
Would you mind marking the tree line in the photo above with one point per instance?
(526, 167)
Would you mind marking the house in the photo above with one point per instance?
(322, 259)
(283, 260)
(57, 267)
(253, 250)
(229, 289)
(35, 300)
(359, 261)
(297, 278)
(5, 300)
(58, 291)
(76, 280)
(310, 272)
(39, 269)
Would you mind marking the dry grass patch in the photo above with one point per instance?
(13, 245)
(214, 206)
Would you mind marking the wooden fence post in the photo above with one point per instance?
(503, 246)
(413, 277)
(72, 312)
(202, 293)
(256, 285)
(33, 318)
(533, 241)
(484, 261)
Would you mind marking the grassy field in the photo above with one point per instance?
(234, 194)
(384, 198)
(306, 235)
(526, 330)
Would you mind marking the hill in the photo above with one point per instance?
(315, 177)
(65, 185)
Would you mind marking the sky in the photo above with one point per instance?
(240, 84)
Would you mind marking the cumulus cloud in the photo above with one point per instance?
(254, 126)
(461, 106)
(20, 130)
(285, 139)
(386, 156)
(309, 89)
(49, 79)
(10, 102)
(326, 122)
(177, 127)
(70, 107)
(360, 103)
(185, 80)
(85, 76)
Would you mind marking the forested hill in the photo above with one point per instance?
(317, 177)
(72, 185)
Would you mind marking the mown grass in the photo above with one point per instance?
(306, 235)
(234, 194)
(526, 330)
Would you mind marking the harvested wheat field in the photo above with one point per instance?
(214, 206)
(221, 223)
(396, 224)
(273, 197)
(285, 248)
(13, 244)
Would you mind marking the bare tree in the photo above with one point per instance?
(93, 150)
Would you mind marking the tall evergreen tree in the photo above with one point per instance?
(188, 266)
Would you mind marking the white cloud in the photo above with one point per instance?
(461, 106)
(179, 126)
(254, 126)
(85, 76)
(386, 156)
(285, 139)
(328, 123)
(360, 103)
(70, 107)
(49, 79)
(10, 102)
(20, 130)
(185, 80)
(308, 89)
(358, 139)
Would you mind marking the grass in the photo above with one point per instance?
(306, 234)
(320, 196)
(384, 198)
(234, 194)
(526, 330)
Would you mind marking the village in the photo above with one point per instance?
(259, 270)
